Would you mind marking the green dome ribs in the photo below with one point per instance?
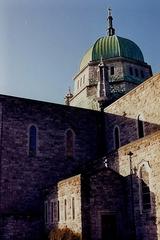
(111, 47)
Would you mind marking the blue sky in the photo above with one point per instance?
(43, 41)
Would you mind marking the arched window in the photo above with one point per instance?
(112, 70)
(70, 143)
(136, 72)
(142, 74)
(140, 127)
(32, 140)
(131, 70)
(145, 198)
(116, 137)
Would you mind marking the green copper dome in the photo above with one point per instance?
(111, 47)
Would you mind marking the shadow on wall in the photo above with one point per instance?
(116, 207)
(113, 207)
(129, 130)
(123, 134)
(141, 209)
(142, 139)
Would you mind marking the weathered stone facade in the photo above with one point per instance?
(121, 82)
(145, 152)
(101, 199)
(94, 197)
(102, 194)
(67, 193)
(142, 102)
(24, 178)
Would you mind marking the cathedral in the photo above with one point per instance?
(91, 165)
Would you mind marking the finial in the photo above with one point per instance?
(110, 30)
(68, 97)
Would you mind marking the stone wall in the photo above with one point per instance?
(121, 81)
(70, 190)
(24, 178)
(143, 101)
(147, 72)
(17, 228)
(86, 98)
(66, 198)
(81, 80)
(86, 95)
(96, 193)
(145, 151)
(103, 194)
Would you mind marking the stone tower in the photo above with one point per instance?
(111, 67)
